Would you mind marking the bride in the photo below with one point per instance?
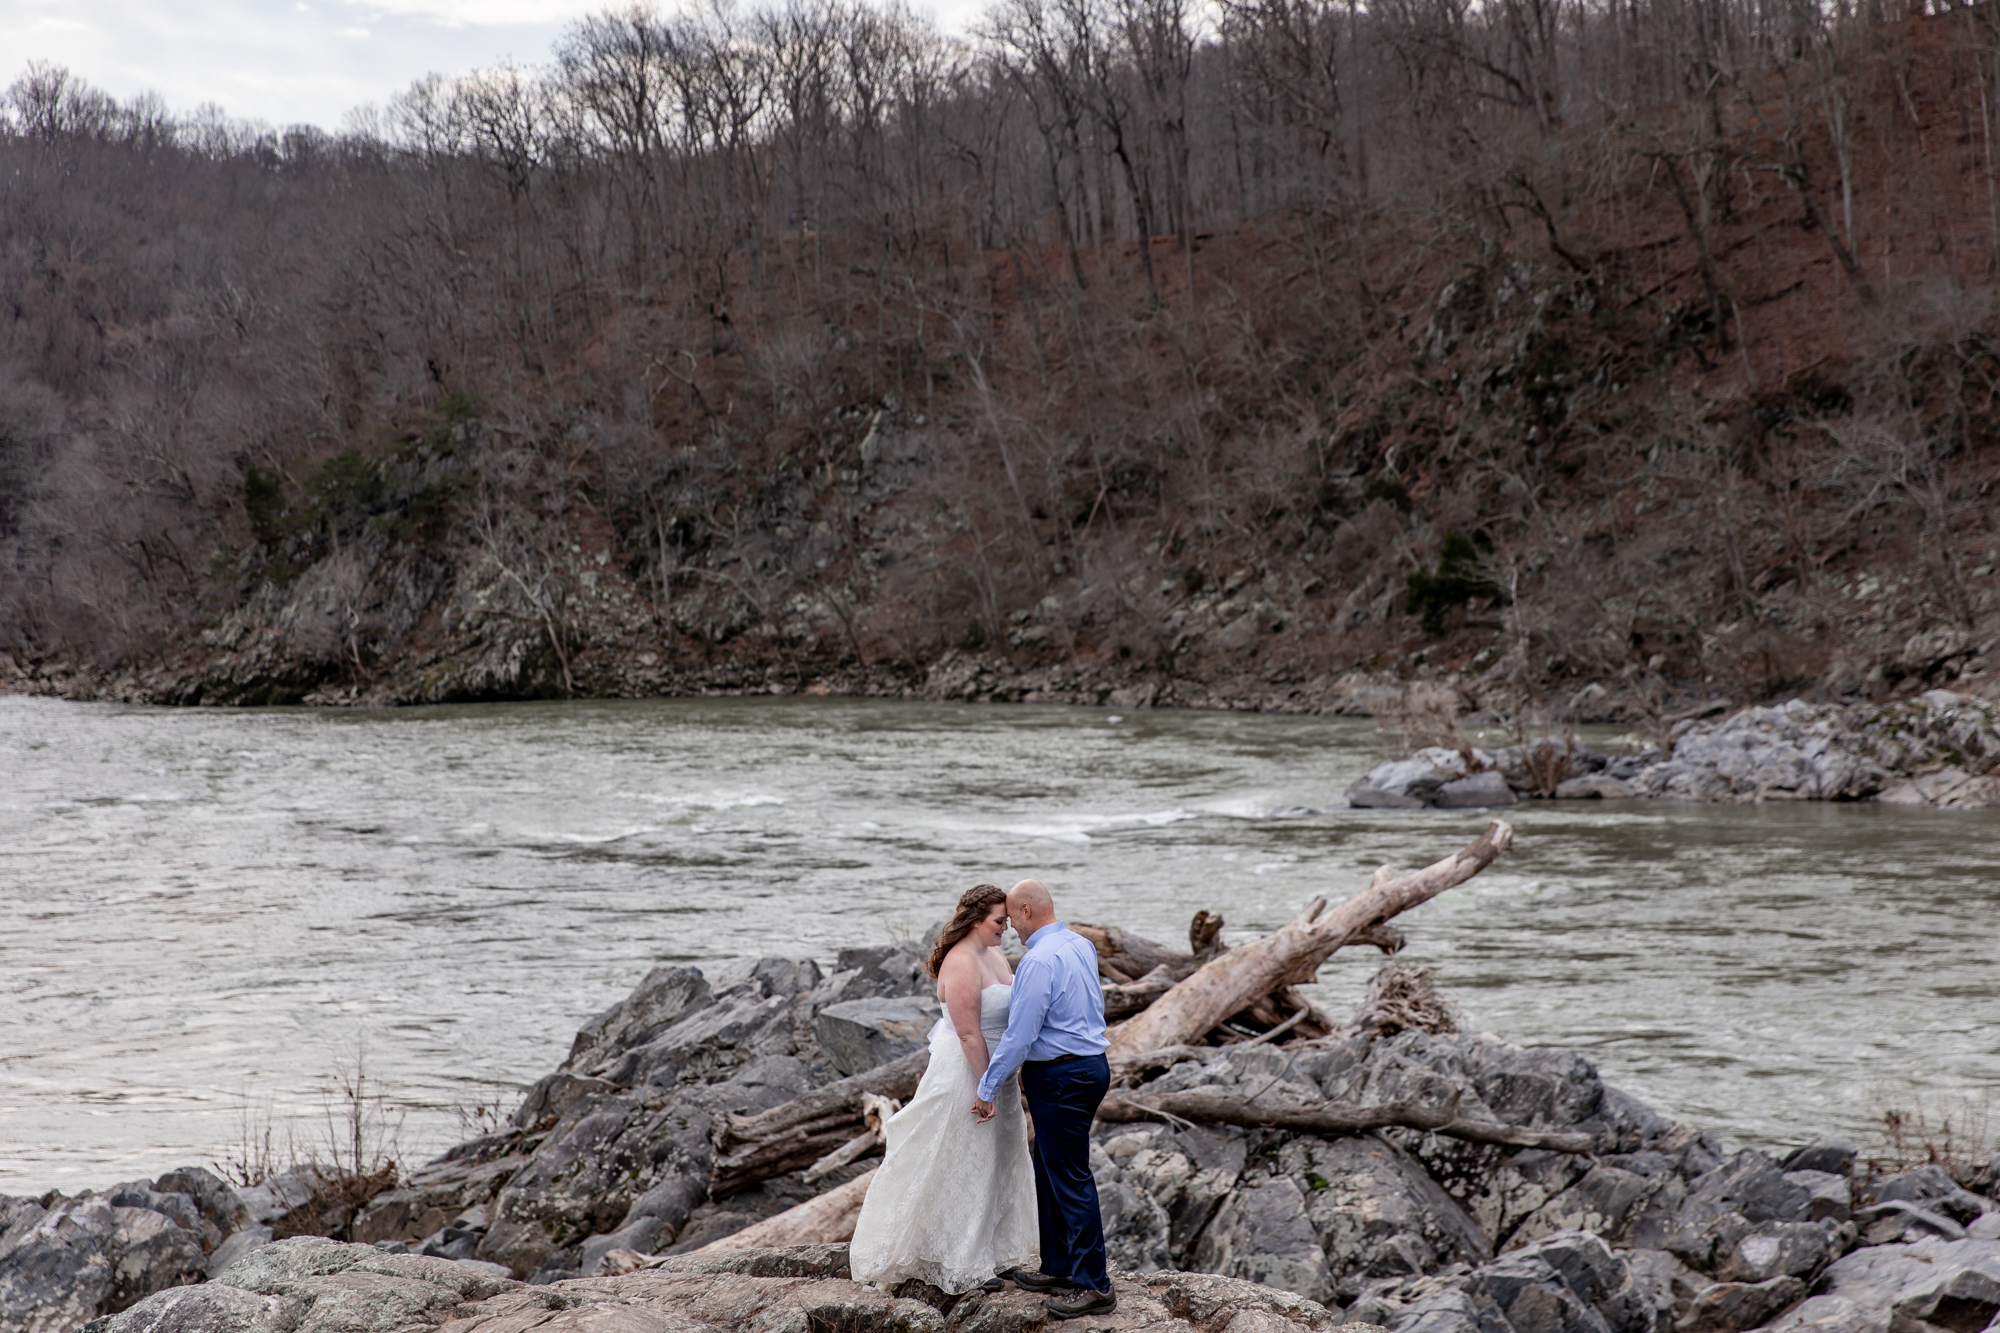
(953, 1202)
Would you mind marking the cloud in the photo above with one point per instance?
(302, 63)
(282, 64)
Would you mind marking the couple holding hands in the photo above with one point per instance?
(953, 1203)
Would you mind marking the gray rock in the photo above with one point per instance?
(1887, 1223)
(1479, 791)
(310, 1286)
(180, 1209)
(150, 1253)
(270, 1201)
(1664, 1288)
(1375, 1211)
(1605, 1203)
(1567, 1283)
(209, 1308)
(238, 1245)
(1408, 783)
(216, 1199)
(55, 1272)
(1926, 1287)
(1918, 1186)
(1780, 1249)
(1834, 1156)
(738, 1046)
(874, 973)
(1832, 1196)
(861, 1034)
(1533, 1298)
(1449, 1311)
(1263, 1234)
(1160, 1188)
(1724, 1205)
(1588, 1267)
(1731, 1307)
(1936, 1192)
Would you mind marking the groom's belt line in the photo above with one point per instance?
(1053, 1060)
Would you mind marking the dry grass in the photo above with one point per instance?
(1954, 1133)
(352, 1160)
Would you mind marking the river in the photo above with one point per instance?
(205, 914)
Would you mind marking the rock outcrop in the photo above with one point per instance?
(64, 1261)
(1659, 1228)
(310, 1285)
(1940, 749)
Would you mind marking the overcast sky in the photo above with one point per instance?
(287, 61)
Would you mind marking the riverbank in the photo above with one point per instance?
(614, 1154)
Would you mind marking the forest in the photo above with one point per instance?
(1616, 353)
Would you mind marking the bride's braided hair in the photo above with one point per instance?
(973, 905)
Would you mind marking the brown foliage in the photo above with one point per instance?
(1104, 337)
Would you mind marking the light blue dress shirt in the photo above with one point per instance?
(1057, 1007)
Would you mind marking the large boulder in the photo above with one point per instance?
(55, 1266)
(1724, 1205)
(1571, 1282)
(1408, 784)
(66, 1261)
(861, 1034)
(1476, 792)
(1929, 1286)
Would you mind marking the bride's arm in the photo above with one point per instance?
(959, 979)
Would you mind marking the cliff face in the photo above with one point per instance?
(1534, 383)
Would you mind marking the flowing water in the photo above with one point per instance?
(203, 915)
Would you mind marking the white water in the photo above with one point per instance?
(203, 913)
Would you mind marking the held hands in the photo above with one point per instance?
(982, 1110)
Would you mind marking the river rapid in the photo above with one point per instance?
(205, 914)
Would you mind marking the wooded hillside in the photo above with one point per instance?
(1204, 351)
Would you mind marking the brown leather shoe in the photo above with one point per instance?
(1036, 1281)
(1081, 1301)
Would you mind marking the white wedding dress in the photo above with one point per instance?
(953, 1202)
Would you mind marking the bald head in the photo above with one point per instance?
(1030, 906)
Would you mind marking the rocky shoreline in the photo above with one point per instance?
(612, 1155)
(1940, 749)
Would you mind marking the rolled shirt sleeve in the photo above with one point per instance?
(1026, 1008)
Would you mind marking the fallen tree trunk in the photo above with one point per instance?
(1331, 1118)
(1124, 957)
(875, 1113)
(821, 1220)
(1291, 955)
(750, 1148)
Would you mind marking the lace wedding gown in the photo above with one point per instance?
(954, 1200)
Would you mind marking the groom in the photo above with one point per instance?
(1055, 1034)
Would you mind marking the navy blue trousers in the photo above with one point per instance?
(1063, 1097)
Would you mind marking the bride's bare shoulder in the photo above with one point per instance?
(959, 963)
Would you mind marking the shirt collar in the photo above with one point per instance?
(1045, 930)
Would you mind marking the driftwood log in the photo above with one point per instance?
(875, 1113)
(750, 1148)
(1331, 1118)
(1242, 977)
(820, 1220)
